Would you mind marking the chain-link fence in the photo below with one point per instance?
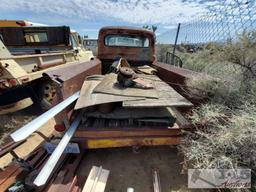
(224, 21)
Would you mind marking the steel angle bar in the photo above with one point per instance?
(35, 124)
(52, 161)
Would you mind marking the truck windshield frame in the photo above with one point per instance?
(117, 40)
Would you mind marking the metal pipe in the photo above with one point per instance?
(52, 161)
(156, 181)
(175, 44)
(130, 189)
(35, 124)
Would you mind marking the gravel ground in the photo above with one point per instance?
(11, 122)
(129, 169)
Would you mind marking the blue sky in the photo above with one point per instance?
(88, 16)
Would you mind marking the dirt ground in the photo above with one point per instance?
(129, 169)
(13, 121)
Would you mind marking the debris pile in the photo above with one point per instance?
(124, 98)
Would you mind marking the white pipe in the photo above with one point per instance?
(35, 124)
(130, 189)
(52, 161)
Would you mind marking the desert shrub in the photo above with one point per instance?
(223, 139)
(233, 68)
(225, 135)
(229, 140)
(161, 50)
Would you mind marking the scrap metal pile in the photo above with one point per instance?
(124, 98)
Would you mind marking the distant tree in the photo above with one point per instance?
(146, 27)
(152, 28)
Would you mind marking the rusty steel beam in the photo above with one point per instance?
(70, 80)
(128, 141)
(126, 132)
(173, 74)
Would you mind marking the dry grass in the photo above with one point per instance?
(225, 134)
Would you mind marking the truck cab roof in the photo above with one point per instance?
(137, 45)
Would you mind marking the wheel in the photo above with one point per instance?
(47, 94)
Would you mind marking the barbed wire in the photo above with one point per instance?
(224, 21)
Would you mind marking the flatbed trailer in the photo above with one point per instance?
(92, 138)
(68, 84)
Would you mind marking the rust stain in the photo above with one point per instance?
(126, 142)
(138, 54)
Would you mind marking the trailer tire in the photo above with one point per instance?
(47, 94)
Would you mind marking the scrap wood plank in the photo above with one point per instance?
(167, 96)
(88, 98)
(66, 175)
(109, 85)
(181, 120)
(96, 181)
(146, 69)
(11, 175)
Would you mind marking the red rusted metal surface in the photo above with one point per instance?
(130, 53)
(70, 80)
(126, 132)
(177, 78)
(173, 74)
(10, 175)
(16, 171)
(52, 63)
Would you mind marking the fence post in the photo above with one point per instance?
(175, 44)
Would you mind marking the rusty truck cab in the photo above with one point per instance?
(136, 45)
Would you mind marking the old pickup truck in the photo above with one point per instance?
(26, 52)
(95, 111)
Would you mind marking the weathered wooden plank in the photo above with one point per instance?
(162, 102)
(181, 120)
(14, 173)
(96, 181)
(167, 96)
(109, 85)
(146, 69)
(88, 98)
